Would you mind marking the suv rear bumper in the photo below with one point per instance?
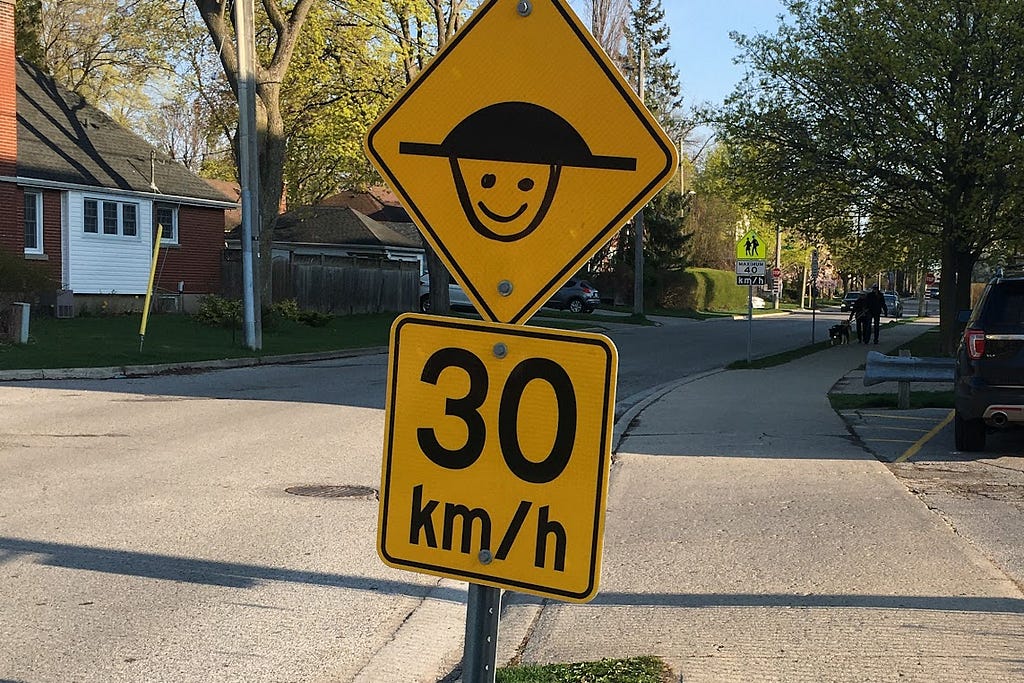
(1001, 415)
(973, 399)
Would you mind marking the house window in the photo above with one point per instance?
(167, 216)
(33, 223)
(91, 215)
(129, 221)
(109, 218)
(118, 218)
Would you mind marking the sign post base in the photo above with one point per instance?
(481, 649)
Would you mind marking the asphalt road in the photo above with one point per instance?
(147, 531)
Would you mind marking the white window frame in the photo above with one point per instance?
(164, 239)
(38, 249)
(101, 218)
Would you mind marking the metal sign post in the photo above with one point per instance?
(479, 655)
(506, 485)
(814, 288)
(750, 318)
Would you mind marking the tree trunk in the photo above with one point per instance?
(440, 302)
(954, 292)
(271, 142)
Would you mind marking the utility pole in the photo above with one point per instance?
(638, 222)
(248, 166)
(777, 286)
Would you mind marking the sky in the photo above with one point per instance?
(700, 44)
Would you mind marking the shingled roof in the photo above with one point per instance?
(337, 225)
(62, 138)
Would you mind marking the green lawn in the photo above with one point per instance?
(89, 342)
(114, 341)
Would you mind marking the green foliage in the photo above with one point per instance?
(20, 278)
(647, 32)
(107, 51)
(342, 76)
(282, 312)
(703, 289)
(315, 318)
(28, 43)
(114, 341)
(907, 114)
(664, 240)
(287, 309)
(216, 311)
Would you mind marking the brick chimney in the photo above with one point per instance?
(8, 92)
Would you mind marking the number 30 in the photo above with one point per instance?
(467, 410)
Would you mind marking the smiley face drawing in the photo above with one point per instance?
(506, 160)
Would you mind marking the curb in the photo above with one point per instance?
(123, 371)
(621, 426)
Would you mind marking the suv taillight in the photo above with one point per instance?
(974, 341)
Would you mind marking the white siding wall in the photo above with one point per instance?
(107, 264)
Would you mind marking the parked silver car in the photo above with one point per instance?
(893, 305)
(575, 296)
(456, 297)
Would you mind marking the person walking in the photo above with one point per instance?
(875, 304)
(859, 314)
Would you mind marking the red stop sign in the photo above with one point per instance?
(776, 272)
(929, 279)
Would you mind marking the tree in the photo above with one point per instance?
(276, 46)
(713, 216)
(909, 111)
(647, 39)
(28, 43)
(420, 30)
(608, 25)
(107, 51)
(343, 75)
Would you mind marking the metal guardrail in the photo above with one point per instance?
(906, 369)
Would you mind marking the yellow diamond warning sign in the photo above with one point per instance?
(519, 151)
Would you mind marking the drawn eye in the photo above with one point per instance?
(488, 180)
(526, 184)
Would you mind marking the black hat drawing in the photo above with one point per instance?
(515, 132)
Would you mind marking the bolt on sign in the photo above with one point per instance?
(496, 454)
(519, 151)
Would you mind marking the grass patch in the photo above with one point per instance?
(923, 346)
(778, 358)
(918, 399)
(594, 317)
(632, 670)
(926, 345)
(114, 341)
(92, 342)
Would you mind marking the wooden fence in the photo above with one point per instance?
(339, 285)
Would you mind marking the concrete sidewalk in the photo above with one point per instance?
(751, 537)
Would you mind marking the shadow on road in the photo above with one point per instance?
(238, 575)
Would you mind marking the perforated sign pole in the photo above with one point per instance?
(480, 654)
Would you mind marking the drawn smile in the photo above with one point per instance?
(497, 217)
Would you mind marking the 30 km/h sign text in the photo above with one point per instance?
(496, 454)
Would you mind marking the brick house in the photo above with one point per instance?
(82, 195)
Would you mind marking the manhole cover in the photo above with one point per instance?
(327, 491)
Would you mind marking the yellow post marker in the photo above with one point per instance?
(149, 287)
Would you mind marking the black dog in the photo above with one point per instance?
(839, 334)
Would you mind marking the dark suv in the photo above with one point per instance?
(577, 296)
(989, 381)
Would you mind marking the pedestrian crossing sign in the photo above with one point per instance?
(751, 246)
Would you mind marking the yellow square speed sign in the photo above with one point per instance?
(496, 454)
